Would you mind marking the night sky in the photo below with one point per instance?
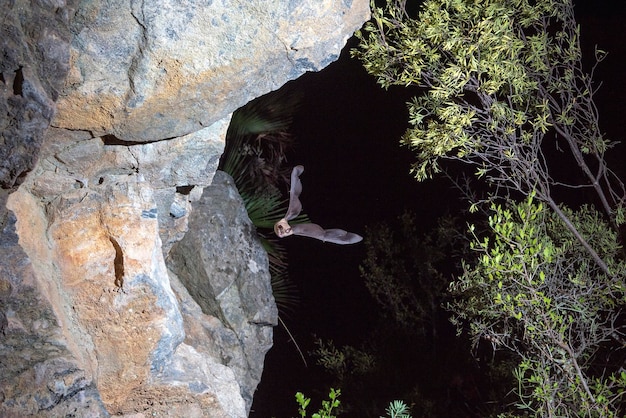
(356, 174)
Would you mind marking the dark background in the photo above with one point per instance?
(356, 174)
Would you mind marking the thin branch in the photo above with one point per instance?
(568, 223)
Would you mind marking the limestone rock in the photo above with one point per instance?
(92, 322)
(34, 51)
(73, 161)
(225, 269)
(99, 261)
(156, 69)
(119, 334)
(38, 371)
(111, 327)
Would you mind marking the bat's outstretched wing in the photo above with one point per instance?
(337, 236)
(295, 207)
(283, 229)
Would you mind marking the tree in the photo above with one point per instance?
(499, 76)
(537, 292)
(505, 92)
(403, 271)
(412, 346)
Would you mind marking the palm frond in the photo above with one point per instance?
(272, 112)
(285, 291)
(255, 155)
(265, 211)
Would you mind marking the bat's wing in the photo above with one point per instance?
(337, 236)
(283, 229)
(295, 207)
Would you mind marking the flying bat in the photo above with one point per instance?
(282, 228)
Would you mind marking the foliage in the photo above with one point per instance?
(535, 291)
(505, 92)
(403, 269)
(499, 76)
(257, 141)
(326, 411)
(340, 361)
(416, 355)
(396, 409)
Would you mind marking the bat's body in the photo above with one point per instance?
(283, 229)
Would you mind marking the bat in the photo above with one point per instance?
(282, 228)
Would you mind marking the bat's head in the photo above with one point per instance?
(282, 228)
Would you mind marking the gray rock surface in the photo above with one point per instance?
(37, 369)
(135, 62)
(34, 61)
(225, 269)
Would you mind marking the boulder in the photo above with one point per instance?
(225, 269)
(151, 70)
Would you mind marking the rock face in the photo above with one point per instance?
(134, 62)
(34, 61)
(38, 369)
(131, 281)
(104, 315)
(222, 276)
